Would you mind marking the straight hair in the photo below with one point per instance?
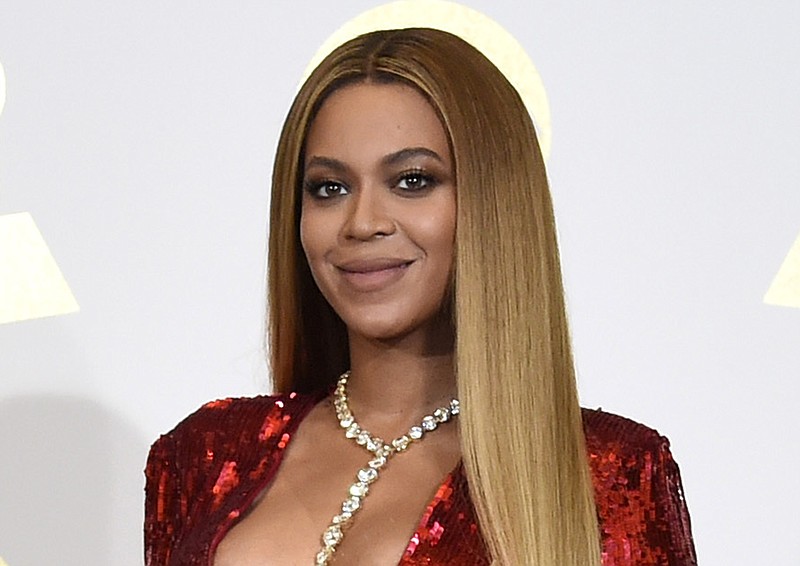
(522, 439)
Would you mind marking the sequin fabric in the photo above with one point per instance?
(212, 466)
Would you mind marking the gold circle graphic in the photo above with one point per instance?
(478, 29)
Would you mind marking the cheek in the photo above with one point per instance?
(439, 230)
(309, 241)
(315, 237)
(304, 236)
(310, 235)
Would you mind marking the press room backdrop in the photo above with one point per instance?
(139, 136)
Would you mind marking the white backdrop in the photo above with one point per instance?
(140, 135)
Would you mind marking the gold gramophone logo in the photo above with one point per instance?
(785, 288)
(31, 284)
(510, 57)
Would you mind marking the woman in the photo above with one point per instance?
(413, 253)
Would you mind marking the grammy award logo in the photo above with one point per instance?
(31, 285)
(785, 288)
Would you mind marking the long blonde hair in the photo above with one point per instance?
(521, 429)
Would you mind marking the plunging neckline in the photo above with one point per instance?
(263, 484)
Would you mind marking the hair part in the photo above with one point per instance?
(521, 429)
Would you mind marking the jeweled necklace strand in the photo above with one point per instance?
(366, 476)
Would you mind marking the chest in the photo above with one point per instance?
(419, 505)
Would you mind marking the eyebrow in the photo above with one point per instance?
(408, 153)
(327, 162)
(391, 159)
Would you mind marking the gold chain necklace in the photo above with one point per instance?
(366, 476)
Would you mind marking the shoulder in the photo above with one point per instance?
(638, 493)
(241, 412)
(625, 457)
(231, 424)
(607, 431)
(207, 464)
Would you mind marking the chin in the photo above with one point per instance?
(381, 330)
(392, 325)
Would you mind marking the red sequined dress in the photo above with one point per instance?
(205, 473)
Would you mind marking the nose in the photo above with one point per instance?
(369, 215)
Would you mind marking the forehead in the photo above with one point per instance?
(368, 120)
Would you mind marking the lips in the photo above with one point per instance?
(372, 265)
(373, 274)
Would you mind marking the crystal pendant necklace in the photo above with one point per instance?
(380, 451)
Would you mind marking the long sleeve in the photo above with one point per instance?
(672, 514)
(640, 504)
(163, 513)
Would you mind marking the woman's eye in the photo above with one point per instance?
(415, 182)
(326, 189)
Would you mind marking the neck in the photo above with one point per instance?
(399, 380)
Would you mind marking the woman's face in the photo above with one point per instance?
(379, 209)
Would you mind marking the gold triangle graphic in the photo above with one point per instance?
(785, 288)
(31, 285)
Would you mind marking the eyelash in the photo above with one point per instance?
(316, 187)
(428, 180)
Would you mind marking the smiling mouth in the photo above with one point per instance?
(373, 265)
(373, 274)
